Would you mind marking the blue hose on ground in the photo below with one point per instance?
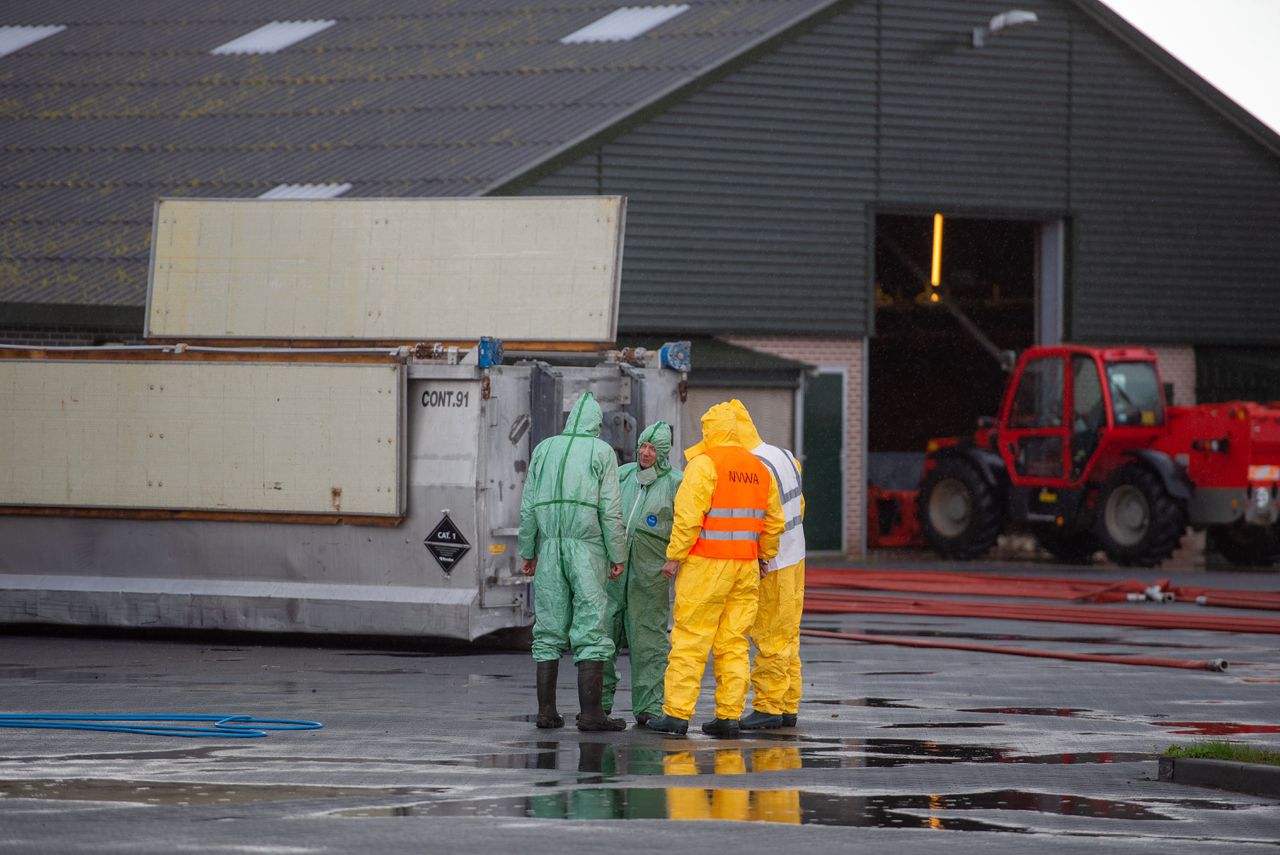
(237, 726)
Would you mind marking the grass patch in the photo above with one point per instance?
(1225, 751)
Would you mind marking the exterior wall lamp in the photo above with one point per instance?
(1011, 18)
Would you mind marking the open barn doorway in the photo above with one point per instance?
(930, 374)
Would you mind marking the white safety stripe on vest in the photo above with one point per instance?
(786, 475)
(729, 535)
(735, 513)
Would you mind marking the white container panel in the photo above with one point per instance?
(520, 269)
(250, 437)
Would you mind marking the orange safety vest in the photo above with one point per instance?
(731, 527)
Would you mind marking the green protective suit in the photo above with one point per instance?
(571, 520)
(640, 601)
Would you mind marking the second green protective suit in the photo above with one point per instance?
(640, 600)
(571, 521)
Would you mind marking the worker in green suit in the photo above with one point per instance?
(571, 537)
(640, 601)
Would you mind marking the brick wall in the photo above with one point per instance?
(66, 336)
(848, 354)
(1178, 366)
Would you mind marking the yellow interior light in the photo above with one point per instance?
(933, 298)
(935, 274)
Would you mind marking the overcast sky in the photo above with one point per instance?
(1233, 44)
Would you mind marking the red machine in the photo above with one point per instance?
(1086, 453)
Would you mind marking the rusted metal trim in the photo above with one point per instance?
(106, 354)
(204, 516)
(509, 344)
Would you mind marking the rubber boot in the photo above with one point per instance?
(756, 720)
(722, 728)
(789, 719)
(590, 687)
(668, 724)
(547, 715)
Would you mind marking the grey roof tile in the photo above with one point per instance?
(400, 98)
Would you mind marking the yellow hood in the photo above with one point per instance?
(747, 433)
(719, 427)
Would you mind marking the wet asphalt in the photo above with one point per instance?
(432, 748)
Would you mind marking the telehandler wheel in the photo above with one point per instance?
(1139, 522)
(1069, 546)
(960, 513)
(1246, 545)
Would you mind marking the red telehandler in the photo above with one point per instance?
(1087, 455)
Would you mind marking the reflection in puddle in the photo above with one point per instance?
(795, 807)
(609, 760)
(184, 793)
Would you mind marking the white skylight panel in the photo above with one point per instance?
(17, 37)
(625, 24)
(306, 191)
(273, 37)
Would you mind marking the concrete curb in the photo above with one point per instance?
(1257, 779)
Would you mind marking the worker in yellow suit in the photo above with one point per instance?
(775, 674)
(728, 518)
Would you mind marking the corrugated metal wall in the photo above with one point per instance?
(749, 200)
(745, 207)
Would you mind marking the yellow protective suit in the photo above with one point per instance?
(775, 675)
(716, 598)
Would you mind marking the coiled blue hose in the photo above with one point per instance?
(236, 726)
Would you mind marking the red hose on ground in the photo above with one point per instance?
(825, 603)
(1032, 587)
(982, 584)
(1189, 664)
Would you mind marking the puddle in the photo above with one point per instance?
(611, 761)
(903, 752)
(879, 703)
(1215, 728)
(898, 674)
(181, 793)
(796, 807)
(942, 724)
(175, 754)
(607, 759)
(1064, 712)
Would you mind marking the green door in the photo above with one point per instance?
(824, 462)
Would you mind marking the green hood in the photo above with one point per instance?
(585, 418)
(659, 433)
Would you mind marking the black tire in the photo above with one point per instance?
(960, 513)
(1139, 522)
(1246, 545)
(1069, 546)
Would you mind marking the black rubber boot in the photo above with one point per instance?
(789, 719)
(756, 720)
(590, 687)
(722, 728)
(547, 715)
(642, 718)
(668, 724)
